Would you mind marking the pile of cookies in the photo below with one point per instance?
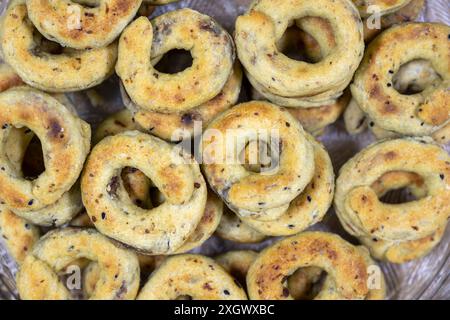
(128, 204)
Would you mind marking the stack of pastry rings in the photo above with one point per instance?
(293, 193)
(168, 105)
(53, 198)
(174, 226)
(349, 269)
(61, 46)
(396, 232)
(378, 15)
(382, 99)
(314, 116)
(337, 27)
(139, 186)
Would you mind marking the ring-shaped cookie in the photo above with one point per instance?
(176, 126)
(195, 276)
(343, 262)
(363, 214)
(65, 141)
(313, 40)
(401, 251)
(310, 206)
(138, 185)
(211, 48)
(412, 77)
(79, 27)
(258, 31)
(249, 193)
(417, 114)
(160, 230)
(72, 70)
(37, 278)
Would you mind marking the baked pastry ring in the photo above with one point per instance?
(72, 70)
(176, 126)
(417, 114)
(191, 275)
(160, 230)
(232, 228)
(138, 185)
(258, 31)
(412, 77)
(65, 140)
(345, 264)
(211, 48)
(362, 213)
(394, 251)
(313, 39)
(97, 26)
(310, 206)
(37, 278)
(261, 196)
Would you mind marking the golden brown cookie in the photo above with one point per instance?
(160, 230)
(211, 48)
(38, 279)
(416, 163)
(194, 276)
(61, 71)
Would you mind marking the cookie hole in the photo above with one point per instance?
(306, 283)
(184, 297)
(23, 150)
(258, 156)
(175, 61)
(398, 196)
(397, 187)
(137, 186)
(415, 76)
(44, 46)
(240, 276)
(298, 44)
(156, 197)
(33, 161)
(79, 277)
